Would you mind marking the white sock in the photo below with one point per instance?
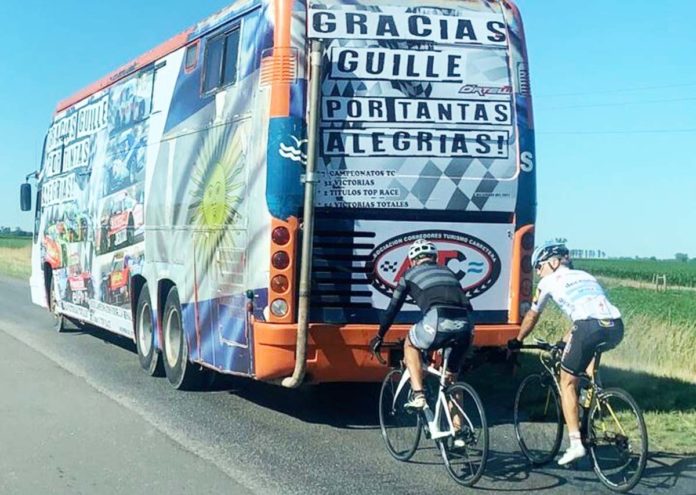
(575, 439)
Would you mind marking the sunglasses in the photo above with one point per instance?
(540, 265)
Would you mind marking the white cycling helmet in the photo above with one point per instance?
(420, 248)
(547, 251)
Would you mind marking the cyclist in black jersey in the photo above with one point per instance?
(437, 292)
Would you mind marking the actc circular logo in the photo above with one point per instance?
(474, 262)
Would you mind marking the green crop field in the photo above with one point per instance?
(11, 241)
(678, 273)
(15, 256)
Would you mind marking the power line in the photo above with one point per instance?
(618, 104)
(621, 90)
(633, 131)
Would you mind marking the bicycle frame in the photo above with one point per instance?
(550, 363)
(433, 420)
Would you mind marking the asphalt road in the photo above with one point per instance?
(77, 415)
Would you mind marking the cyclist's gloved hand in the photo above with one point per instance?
(514, 345)
(375, 344)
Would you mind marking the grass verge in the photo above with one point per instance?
(655, 364)
(16, 261)
(668, 404)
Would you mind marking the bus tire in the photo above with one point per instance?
(59, 321)
(149, 357)
(181, 372)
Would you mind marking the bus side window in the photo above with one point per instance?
(220, 64)
(213, 64)
(191, 57)
(229, 72)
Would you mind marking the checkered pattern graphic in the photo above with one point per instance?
(460, 183)
(473, 192)
(389, 266)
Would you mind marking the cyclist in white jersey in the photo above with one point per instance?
(595, 322)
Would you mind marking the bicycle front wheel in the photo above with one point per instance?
(401, 427)
(466, 452)
(538, 418)
(618, 439)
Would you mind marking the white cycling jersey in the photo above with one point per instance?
(577, 293)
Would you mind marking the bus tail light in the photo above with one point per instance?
(526, 288)
(279, 284)
(280, 260)
(524, 308)
(522, 281)
(279, 308)
(280, 236)
(282, 282)
(526, 278)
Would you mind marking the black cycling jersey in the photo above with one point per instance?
(430, 285)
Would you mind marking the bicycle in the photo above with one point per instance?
(454, 417)
(612, 424)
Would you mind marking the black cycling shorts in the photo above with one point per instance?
(585, 337)
(444, 327)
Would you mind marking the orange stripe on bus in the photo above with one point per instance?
(280, 91)
(340, 352)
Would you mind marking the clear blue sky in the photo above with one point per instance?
(614, 87)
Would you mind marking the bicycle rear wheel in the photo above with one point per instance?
(401, 428)
(538, 418)
(618, 439)
(465, 463)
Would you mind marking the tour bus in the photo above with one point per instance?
(241, 198)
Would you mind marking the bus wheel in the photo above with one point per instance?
(59, 321)
(150, 359)
(180, 371)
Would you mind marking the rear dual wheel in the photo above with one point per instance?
(181, 372)
(149, 357)
(59, 321)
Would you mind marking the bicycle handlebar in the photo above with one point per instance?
(379, 358)
(387, 345)
(544, 346)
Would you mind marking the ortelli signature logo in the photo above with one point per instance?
(474, 262)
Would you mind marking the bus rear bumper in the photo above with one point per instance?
(339, 353)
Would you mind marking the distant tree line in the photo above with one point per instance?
(17, 231)
(599, 254)
(683, 257)
(588, 253)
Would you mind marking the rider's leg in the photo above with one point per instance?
(573, 362)
(451, 373)
(590, 369)
(412, 356)
(569, 400)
